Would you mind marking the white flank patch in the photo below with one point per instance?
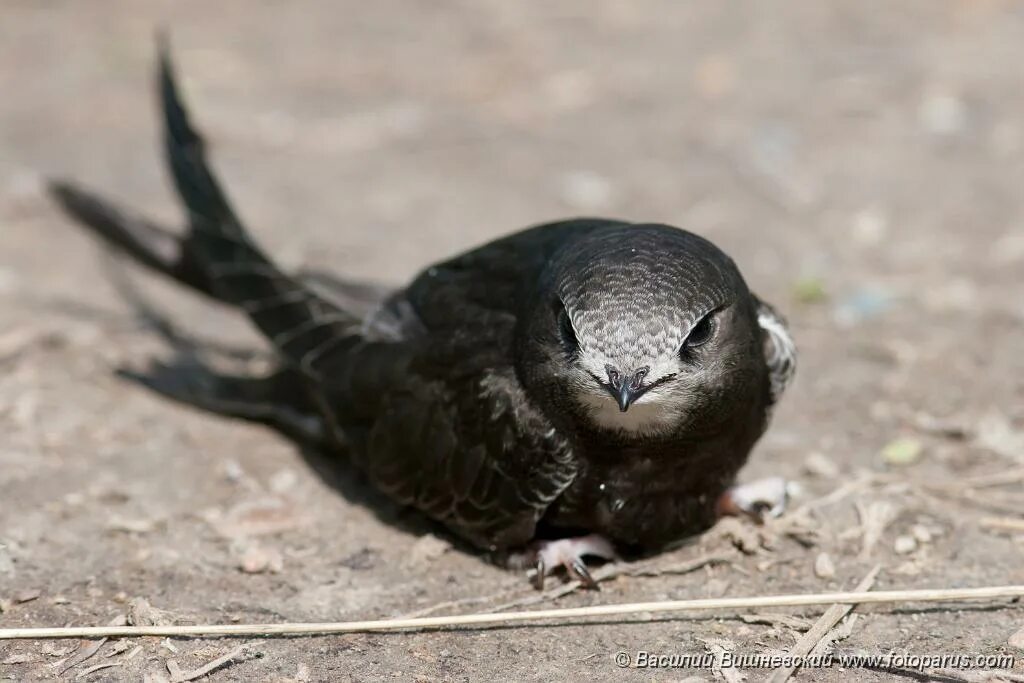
(782, 359)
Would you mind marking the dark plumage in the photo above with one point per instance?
(582, 377)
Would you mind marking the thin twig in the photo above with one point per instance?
(613, 571)
(861, 482)
(239, 654)
(1011, 524)
(98, 667)
(565, 614)
(604, 573)
(87, 649)
(980, 481)
(449, 604)
(828, 620)
(982, 501)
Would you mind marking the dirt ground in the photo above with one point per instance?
(864, 165)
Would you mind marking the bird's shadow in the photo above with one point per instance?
(187, 378)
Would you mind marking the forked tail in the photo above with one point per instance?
(216, 256)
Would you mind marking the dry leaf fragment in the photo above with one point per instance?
(718, 647)
(902, 451)
(741, 534)
(820, 466)
(87, 648)
(426, 550)
(788, 621)
(141, 613)
(258, 518)
(874, 519)
(257, 559)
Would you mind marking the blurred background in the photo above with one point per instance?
(863, 164)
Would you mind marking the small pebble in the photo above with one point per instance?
(233, 471)
(921, 533)
(283, 481)
(257, 560)
(942, 112)
(820, 466)
(870, 226)
(904, 545)
(824, 568)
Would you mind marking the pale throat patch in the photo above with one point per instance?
(651, 414)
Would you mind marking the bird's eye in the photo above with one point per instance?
(701, 333)
(566, 333)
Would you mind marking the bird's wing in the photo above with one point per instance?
(455, 435)
(779, 349)
(468, 451)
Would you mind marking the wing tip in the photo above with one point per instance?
(162, 38)
(176, 119)
(165, 69)
(68, 195)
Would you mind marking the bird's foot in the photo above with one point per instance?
(758, 499)
(548, 556)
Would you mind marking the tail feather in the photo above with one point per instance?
(216, 256)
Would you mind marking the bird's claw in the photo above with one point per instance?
(540, 571)
(758, 500)
(569, 553)
(578, 570)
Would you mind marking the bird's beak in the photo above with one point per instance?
(625, 390)
(625, 396)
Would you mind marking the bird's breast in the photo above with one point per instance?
(650, 494)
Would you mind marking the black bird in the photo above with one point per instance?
(576, 388)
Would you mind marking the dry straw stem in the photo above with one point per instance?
(1011, 524)
(557, 615)
(809, 640)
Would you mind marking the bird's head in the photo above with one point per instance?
(647, 329)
